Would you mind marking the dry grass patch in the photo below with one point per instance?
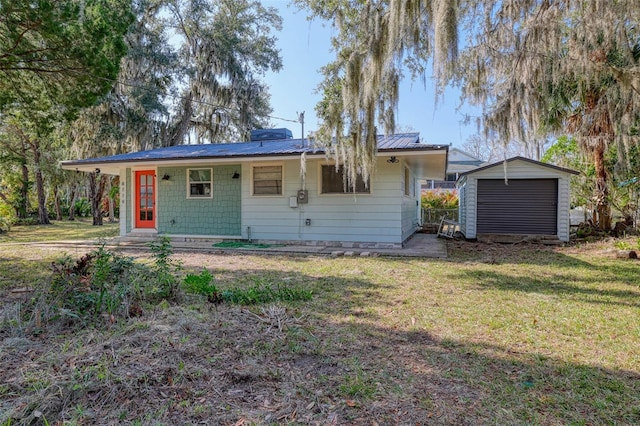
(79, 229)
(495, 335)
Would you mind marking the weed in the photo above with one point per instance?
(262, 292)
(358, 384)
(623, 245)
(166, 269)
(202, 284)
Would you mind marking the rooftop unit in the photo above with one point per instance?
(270, 134)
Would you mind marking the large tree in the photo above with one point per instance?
(537, 67)
(56, 57)
(375, 42)
(567, 67)
(72, 47)
(192, 74)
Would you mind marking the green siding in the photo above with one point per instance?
(178, 215)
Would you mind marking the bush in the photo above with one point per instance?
(166, 270)
(202, 285)
(438, 199)
(5, 225)
(99, 285)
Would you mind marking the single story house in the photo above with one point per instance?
(518, 196)
(283, 190)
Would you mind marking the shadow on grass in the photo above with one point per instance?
(410, 376)
(561, 281)
(341, 362)
(20, 272)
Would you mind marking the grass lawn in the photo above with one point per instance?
(494, 335)
(79, 229)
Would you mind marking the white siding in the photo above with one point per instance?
(472, 206)
(370, 218)
(563, 208)
(410, 206)
(462, 205)
(516, 169)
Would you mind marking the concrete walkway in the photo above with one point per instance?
(420, 245)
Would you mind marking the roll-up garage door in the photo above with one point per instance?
(523, 206)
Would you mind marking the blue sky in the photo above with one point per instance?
(305, 47)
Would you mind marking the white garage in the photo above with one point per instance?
(517, 196)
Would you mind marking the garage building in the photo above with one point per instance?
(516, 197)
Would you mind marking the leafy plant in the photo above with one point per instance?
(166, 269)
(623, 245)
(265, 293)
(5, 225)
(202, 284)
(93, 286)
(438, 199)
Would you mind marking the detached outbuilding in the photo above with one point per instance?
(515, 197)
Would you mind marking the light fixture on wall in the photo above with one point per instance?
(166, 177)
(393, 160)
(235, 175)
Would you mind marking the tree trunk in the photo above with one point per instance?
(182, 126)
(56, 201)
(96, 191)
(112, 217)
(601, 195)
(22, 209)
(43, 214)
(72, 202)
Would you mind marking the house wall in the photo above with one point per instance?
(363, 218)
(216, 216)
(462, 205)
(515, 170)
(410, 207)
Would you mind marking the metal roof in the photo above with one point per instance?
(283, 147)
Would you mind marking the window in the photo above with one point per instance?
(200, 183)
(333, 182)
(267, 180)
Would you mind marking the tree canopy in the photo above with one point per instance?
(72, 48)
(537, 68)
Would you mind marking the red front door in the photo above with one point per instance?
(145, 199)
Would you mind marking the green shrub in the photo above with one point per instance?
(92, 288)
(5, 225)
(623, 245)
(265, 293)
(438, 199)
(166, 270)
(202, 284)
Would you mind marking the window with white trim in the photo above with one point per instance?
(333, 182)
(267, 180)
(200, 183)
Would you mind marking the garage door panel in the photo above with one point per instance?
(523, 206)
